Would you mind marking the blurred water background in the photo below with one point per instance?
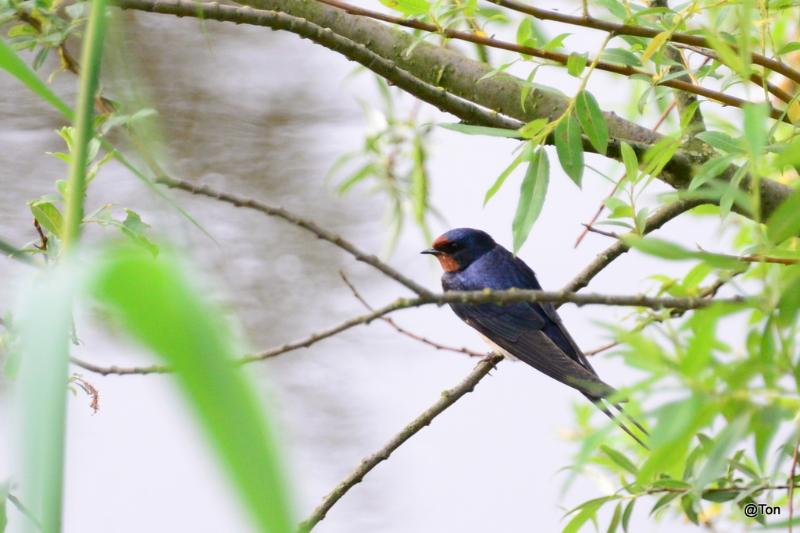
(264, 114)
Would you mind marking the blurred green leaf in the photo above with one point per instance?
(718, 456)
(532, 193)
(631, 162)
(576, 63)
(784, 222)
(504, 175)
(14, 65)
(569, 148)
(789, 48)
(710, 170)
(48, 216)
(755, 127)
(615, 519)
(408, 7)
(721, 141)
(3, 506)
(481, 130)
(585, 512)
(626, 515)
(669, 250)
(592, 120)
(156, 304)
(619, 459)
(621, 56)
(45, 330)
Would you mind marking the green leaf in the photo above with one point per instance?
(619, 459)
(669, 250)
(569, 148)
(630, 161)
(687, 504)
(621, 56)
(718, 456)
(655, 45)
(784, 222)
(3, 509)
(481, 130)
(721, 141)
(663, 501)
(755, 127)
(626, 515)
(355, 178)
(502, 177)
(592, 121)
(587, 511)
(156, 304)
(136, 230)
(557, 42)
(789, 48)
(408, 7)
(720, 496)
(710, 170)
(532, 193)
(48, 216)
(615, 519)
(576, 63)
(14, 65)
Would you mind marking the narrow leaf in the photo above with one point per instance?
(152, 299)
(569, 148)
(592, 121)
(531, 197)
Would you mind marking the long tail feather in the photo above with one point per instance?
(630, 419)
(600, 405)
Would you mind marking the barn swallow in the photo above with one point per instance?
(531, 332)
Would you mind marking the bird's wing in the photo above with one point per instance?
(521, 331)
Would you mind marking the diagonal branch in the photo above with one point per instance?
(447, 398)
(308, 225)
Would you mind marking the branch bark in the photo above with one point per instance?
(436, 67)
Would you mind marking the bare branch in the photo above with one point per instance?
(447, 398)
(405, 332)
(308, 225)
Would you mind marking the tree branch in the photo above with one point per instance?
(402, 331)
(504, 297)
(447, 398)
(440, 67)
(640, 31)
(308, 225)
(558, 57)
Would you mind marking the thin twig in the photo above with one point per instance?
(640, 31)
(591, 229)
(401, 330)
(308, 225)
(447, 398)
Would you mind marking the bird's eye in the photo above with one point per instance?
(452, 247)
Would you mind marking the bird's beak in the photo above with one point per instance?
(431, 251)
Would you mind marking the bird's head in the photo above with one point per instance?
(458, 248)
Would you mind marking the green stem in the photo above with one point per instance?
(84, 129)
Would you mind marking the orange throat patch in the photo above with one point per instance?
(448, 263)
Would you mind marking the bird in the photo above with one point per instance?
(531, 332)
